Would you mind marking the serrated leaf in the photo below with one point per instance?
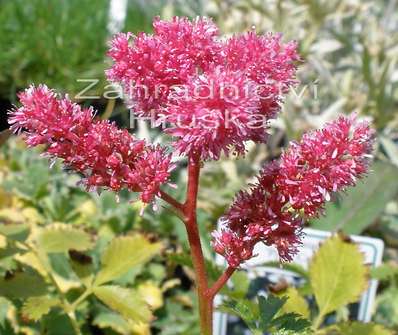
(361, 205)
(295, 303)
(355, 328)
(124, 253)
(34, 308)
(244, 309)
(268, 308)
(151, 293)
(113, 321)
(337, 273)
(291, 322)
(22, 285)
(31, 259)
(125, 301)
(61, 238)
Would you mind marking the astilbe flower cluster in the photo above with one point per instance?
(185, 74)
(149, 65)
(105, 155)
(215, 95)
(294, 188)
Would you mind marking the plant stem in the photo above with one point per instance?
(218, 285)
(75, 325)
(187, 212)
(205, 302)
(173, 202)
(80, 299)
(65, 305)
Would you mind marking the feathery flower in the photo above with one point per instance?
(266, 61)
(105, 155)
(188, 57)
(294, 188)
(149, 65)
(215, 113)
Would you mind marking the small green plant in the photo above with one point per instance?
(336, 277)
(54, 270)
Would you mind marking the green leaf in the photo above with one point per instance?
(244, 309)
(34, 308)
(62, 272)
(82, 265)
(22, 285)
(338, 274)
(268, 308)
(295, 303)
(359, 208)
(8, 249)
(113, 321)
(291, 322)
(122, 254)
(355, 328)
(15, 231)
(61, 238)
(125, 301)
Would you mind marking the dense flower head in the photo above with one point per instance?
(268, 62)
(105, 155)
(149, 65)
(182, 54)
(215, 113)
(294, 188)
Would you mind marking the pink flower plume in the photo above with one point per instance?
(294, 188)
(105, 155)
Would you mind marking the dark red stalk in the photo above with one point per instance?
(188, 209)
(205, 304)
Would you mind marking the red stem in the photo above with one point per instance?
(218, 285)
(188, 209)
(205, 304)
(173, 202)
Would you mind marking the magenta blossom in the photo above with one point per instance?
(105, 155)
(294, 188)
(149, 65)
(266, 61)
(179, 72)
(217, 113)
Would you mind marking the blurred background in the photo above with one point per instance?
(350, 52)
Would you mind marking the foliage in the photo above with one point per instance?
(49, 284)
(78, 254)
(337, 276)
(51, 42)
